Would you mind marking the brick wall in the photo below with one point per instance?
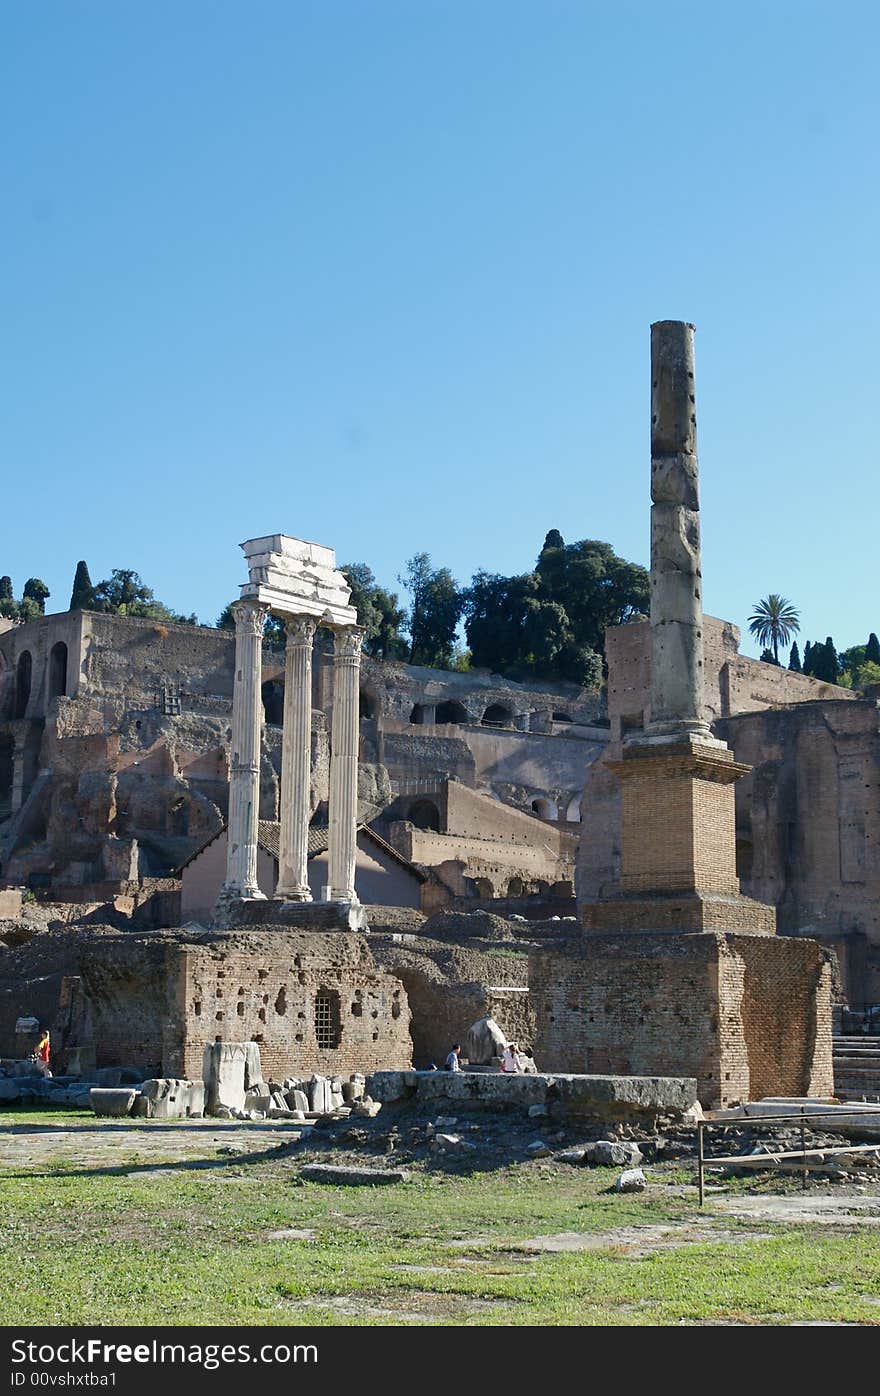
(748, 1016)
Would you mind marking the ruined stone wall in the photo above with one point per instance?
(449, 987)
(808, 823)
(264, 988)
(733, 683)
(748, 1016)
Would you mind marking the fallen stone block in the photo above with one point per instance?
(297, 1100)
(387, 1086)
(109, 1100)
(606, 1153)
(632, 1180)
(169, 1098)
(228, 1069)
(538, 1149)
(484, 1042)
(368, 1109)
(330, 1173)
(320, 1095)
(574, 1156)
(354, 1088)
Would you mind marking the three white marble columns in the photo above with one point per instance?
(244, 775)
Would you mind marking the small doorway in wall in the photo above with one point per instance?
(451, 713)
(23, 683)
(58, 670)
(496, 715)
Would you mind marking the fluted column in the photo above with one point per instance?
(344, 763)
(296, 763)
(244, 770)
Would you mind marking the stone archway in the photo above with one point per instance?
(58, 670)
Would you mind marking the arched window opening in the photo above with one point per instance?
(483, 887)
(273, 702)
(366, 704)
(23, 683)
(58, 670)
(328, 1025)
(451, 712)
(496, 715)
(424, 814)
(515, 887)
(544, 809)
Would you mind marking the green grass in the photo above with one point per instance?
(79, 1245)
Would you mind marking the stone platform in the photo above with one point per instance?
(599, 1097)
(300, 916)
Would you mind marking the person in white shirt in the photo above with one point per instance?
(510, 1060)
(452, 1062)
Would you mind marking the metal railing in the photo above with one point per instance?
(764, 1160)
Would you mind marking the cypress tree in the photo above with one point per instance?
(794, 659)
(82, 597)
(831, 662)
(6, 589)
(807, 665)
(872, 649)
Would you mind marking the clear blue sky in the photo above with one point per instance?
(380, 273)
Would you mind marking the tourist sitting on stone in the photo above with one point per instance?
(452, 1061)
(510, 1060)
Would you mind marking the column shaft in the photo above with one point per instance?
(296, 753)
(244, 768)
(344, 764)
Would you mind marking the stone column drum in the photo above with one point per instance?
(344, 763)
(244, 771)
(296, 750)
(676, 581)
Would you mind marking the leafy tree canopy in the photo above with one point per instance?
(435, 610)
(378, 612)
(123, 593)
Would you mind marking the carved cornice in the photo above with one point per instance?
(250, 617)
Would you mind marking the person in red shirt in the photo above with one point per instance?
(42, 1049)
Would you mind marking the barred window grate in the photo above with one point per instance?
(326, 1031)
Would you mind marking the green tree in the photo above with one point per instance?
(6, 589)
(807, 667)
(773, 622)
(872, 649)
(794, 659)
(123, 593)
(767, 657)
(595, 588)
(435, 611)
(824, 663)
(378, 612)
(9, 607)
(36, 591)
(82, 597)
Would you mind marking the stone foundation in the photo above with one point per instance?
(747, 1015)
(596, 1097)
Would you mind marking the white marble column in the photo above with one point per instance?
(296, 763)
(244, 768)
(344, 763)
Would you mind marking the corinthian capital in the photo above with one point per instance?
(347, 643)
(300, 630)
(250, 617)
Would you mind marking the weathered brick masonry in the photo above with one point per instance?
(748, 1015)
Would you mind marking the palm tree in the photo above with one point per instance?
(773, 622)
